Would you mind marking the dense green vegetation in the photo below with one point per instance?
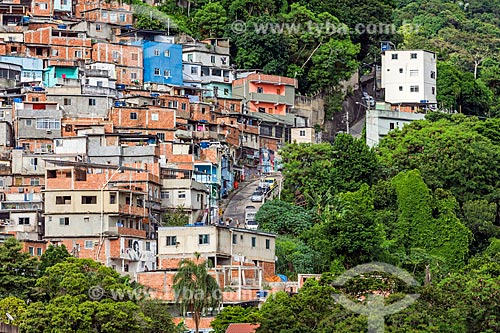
(60, 293)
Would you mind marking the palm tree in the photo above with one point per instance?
(195, 290)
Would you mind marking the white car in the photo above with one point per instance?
(257, 196)
(252, 225)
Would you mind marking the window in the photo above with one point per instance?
(154, 116)
(35, 182)
(133, 76)
(204, 239)
(31, 250)
(1, 183)
(166, 53)
(112, 198)
(157, 71)
(433, 90)
(268, 244)
(413, 72)
(104, 14)
(161, 136)
(89, 244)
(67, 101)
(260, 90)
(35, 99)
(166, 73)
(216, 91)
(156, 52)
(89, 200)
(194, 70)
(171, 241)
(64, 221)
(254, 241)
(401, 70)
(48, 124)
(33, 161)
(99, 83)
(78, 54)
(263, 110)
(212, 59)
(413, 88)
(391, 126)
(148, 246)
(183, 106)
(112, 17)
(133, 115)
(433, 75)
(86, 219)
(413, 56)
(181, 195)
(400, 88)
(190, 57)
(116, 54)
(394, 56)
(42, 6)
(55, 52)
(24, 220)
(122, 17)
(235, 239)
(135, 56)
(232, 107)
(38, 251)
(226, 91)
(173, 104)
(63, 200)
(97, 27)
(302, 133)
(91, 101)
(165, 195)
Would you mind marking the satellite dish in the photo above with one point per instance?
(9, 316)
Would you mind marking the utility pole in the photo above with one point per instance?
(347, 120)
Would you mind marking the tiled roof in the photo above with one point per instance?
(242, 328)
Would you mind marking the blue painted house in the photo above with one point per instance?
(62, 5)
(162, 63)
(53, 75)
(32, 68)
(217, 89)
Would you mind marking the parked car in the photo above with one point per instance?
(257, 196)
(271, 181)
(252, 225)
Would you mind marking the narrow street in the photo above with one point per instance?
(235, 208)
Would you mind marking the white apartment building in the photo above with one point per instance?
(409, 79)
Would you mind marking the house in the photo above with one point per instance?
(206, 65)
(37, 124)
(103, 212)
(126, 57)
(264, 93)
(242, 328)
(383, 119)
(186, 194)
(31, 68)
(409, 79)
(162, 62)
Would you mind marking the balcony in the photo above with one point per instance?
(183, 134)
(5, 170)
(271, 98)
(132, 210)
(206, 178)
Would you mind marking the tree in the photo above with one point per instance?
(234, 314)
(295, 256)
(13, 306)
(283, 218)
(178, 217)
(17, 270)
(211, 20)
(53, 255)
(195, 290)
(161, 319)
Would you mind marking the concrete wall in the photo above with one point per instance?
(82, 106)
(303, 135)
(398, 75)
(378, 123)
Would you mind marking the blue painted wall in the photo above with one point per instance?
(32, 67)
(224, 90)
(52, 73)
(172, 62)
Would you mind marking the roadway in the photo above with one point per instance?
(235, 208)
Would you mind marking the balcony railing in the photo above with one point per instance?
(206, 179)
